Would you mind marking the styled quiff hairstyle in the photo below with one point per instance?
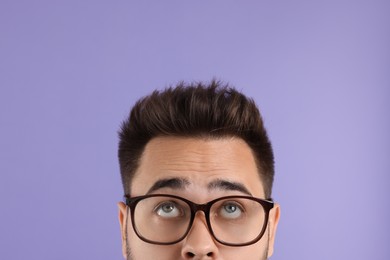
(195, 110)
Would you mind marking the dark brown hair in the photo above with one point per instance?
(215, 110)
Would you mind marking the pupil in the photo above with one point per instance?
(230, 208)
(167, 208)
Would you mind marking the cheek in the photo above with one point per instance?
(247, 253)
(256, 251)
(141, 250)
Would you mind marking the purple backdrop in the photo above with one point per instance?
(70, 70)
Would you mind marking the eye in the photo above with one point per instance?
(230, 210)
(169, 209)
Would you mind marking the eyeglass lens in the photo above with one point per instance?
(164, 219)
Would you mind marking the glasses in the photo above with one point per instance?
(166, 219)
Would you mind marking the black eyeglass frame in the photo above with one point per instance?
(267, 205)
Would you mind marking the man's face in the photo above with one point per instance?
(202, 164)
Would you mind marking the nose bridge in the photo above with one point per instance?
(197, 210)
(200, 207)
(199, 243)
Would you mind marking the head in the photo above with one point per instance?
(198, 143)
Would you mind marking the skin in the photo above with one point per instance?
(199, 162)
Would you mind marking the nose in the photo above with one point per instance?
(199, 244)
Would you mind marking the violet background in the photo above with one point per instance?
(70, 70)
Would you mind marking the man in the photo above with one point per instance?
(197, 169)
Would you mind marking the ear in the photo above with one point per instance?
(122, 222)
(272, 225)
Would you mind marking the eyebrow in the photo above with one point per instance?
(182, 183)
(228, 186)
(173, 183)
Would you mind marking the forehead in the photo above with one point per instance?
(199, 161)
